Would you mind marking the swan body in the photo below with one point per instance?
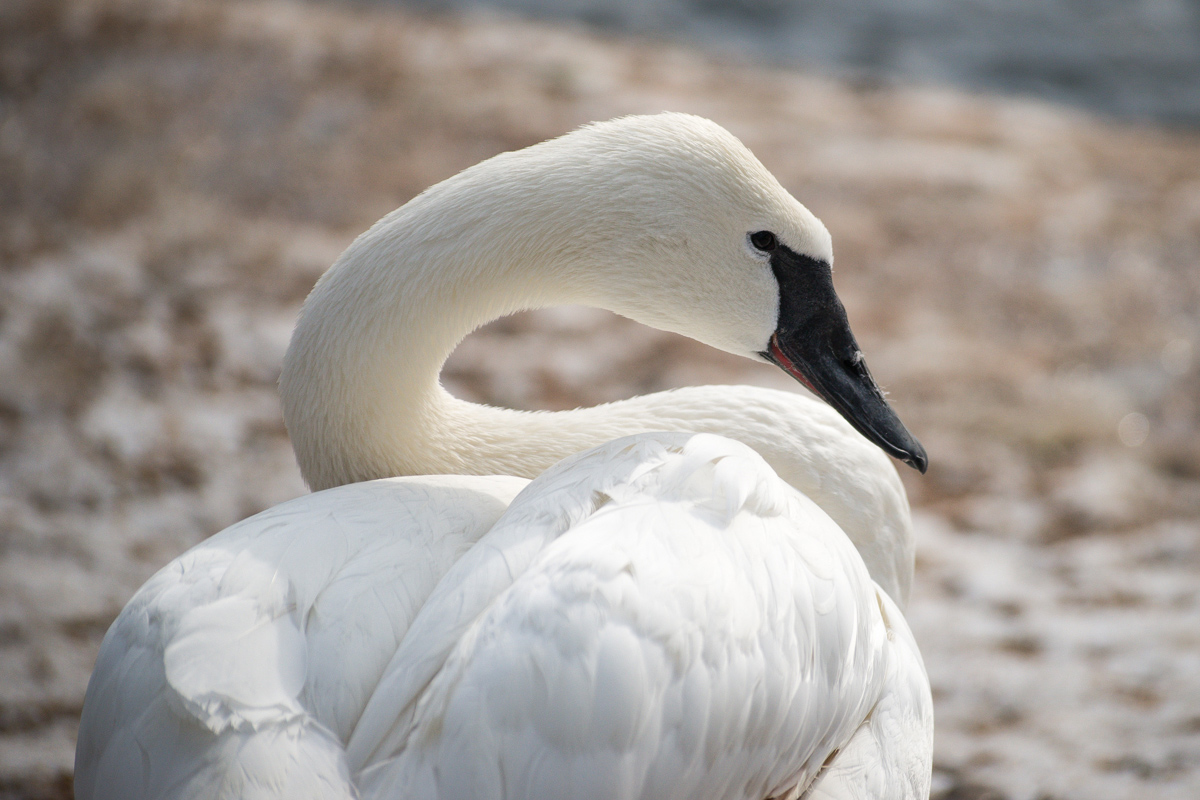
(714, 612)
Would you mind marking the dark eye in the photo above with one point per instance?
(764, 240)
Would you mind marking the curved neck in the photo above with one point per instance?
(362, 399)
(359, 386)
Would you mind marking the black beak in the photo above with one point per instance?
(813, 343)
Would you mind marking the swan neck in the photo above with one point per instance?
(360, 382)
(360, 388)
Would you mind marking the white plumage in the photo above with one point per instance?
(662, 615)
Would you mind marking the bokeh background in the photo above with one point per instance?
(1014, 195)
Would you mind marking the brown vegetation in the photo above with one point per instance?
(1024, 279)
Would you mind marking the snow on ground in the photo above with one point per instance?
(174, 176)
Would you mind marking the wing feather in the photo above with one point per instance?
(238, 669)
(658, 617)
(702, 630)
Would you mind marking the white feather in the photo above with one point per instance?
(660, 615)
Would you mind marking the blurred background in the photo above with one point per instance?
(1013, 189)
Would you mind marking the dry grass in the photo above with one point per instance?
(174, 176)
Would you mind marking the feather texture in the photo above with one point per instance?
(661, 616)
(657, 615)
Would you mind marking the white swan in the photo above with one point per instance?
(660, 616)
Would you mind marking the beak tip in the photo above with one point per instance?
(917, 459)
(863, 407)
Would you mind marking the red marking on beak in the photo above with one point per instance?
(789, 367)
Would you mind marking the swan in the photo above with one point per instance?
(698, 594)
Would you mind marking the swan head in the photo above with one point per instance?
(707, 243)
(667, 219)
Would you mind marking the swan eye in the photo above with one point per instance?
(764, 240)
